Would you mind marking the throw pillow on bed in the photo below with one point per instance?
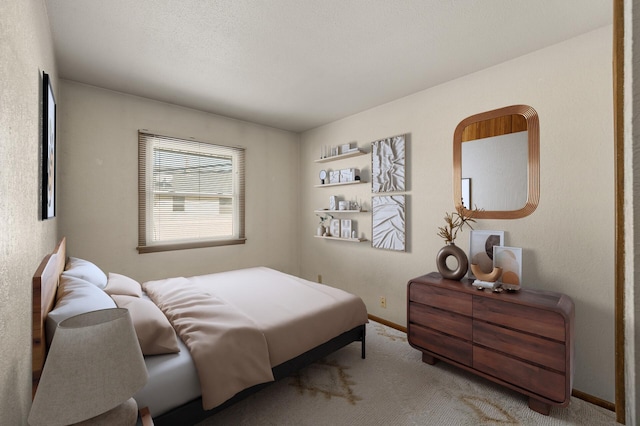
(155, 333)
(75, 296)
(122, 285)
(86, 270)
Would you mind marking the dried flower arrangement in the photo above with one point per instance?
(455, 221)
(324, 218)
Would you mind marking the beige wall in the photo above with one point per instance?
(25, 52)
(568, 241)
(99, 184)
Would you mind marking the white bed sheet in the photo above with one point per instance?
(173, 381)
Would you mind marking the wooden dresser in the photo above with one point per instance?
(522, 340)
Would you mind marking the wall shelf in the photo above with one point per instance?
(341, 156)
(349, 240)
(355, 182)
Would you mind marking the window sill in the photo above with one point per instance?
(185, 246)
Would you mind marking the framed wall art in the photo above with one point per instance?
(510, 260)
(387, 164)
(481, 245)
(388, 222)
(48, 149)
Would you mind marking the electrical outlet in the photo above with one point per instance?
(383, 302)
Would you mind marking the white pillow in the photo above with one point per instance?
(75, 296)
(122, 285)
(86, 270)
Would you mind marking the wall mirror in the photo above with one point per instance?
(496, 162)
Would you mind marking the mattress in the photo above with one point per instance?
(173, 381)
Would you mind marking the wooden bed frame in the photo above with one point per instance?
(45, 284)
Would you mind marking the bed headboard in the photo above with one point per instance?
(45, 284)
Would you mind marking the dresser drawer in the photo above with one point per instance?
(527, 376)
(526, 318)
(444, 321)
(547, 353)
(454, 301)
(440, 344)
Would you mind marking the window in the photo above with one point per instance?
(191, 194)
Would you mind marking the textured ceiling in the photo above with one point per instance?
(299, 64)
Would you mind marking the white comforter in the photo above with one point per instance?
(239, 324)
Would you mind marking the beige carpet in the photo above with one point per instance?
(392, 386)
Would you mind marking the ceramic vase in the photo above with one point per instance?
(441, 261)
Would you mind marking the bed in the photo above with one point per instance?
(284, 323)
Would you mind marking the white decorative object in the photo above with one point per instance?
(388, 222)
(387, 164)
(345, 228)
(335, 228)
(342, 205)
(349, 175)
(333, 202)
(347, 148)
(334, 176)
(323, 176)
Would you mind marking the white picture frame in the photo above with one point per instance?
(481, 245)
(334, 228)
(510, 260)
(345, 228)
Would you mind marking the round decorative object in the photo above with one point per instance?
(483, 276)
(441, 261)
(322, 176)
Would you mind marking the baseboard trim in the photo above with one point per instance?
(594, 400)
(388, 323)
(578, 394)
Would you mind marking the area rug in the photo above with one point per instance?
(392, 386)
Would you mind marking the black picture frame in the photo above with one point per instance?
(48, 149)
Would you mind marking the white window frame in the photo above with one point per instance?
(147, 235)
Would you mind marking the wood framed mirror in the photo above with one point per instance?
(496, 163)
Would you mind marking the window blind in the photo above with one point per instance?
(190, 193)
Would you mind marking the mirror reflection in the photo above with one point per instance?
(496, 162)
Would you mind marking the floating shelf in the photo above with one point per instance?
(355, 182)
(349, 240)
(340, 211)
(341, 156)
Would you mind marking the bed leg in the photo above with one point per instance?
(364, 334)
